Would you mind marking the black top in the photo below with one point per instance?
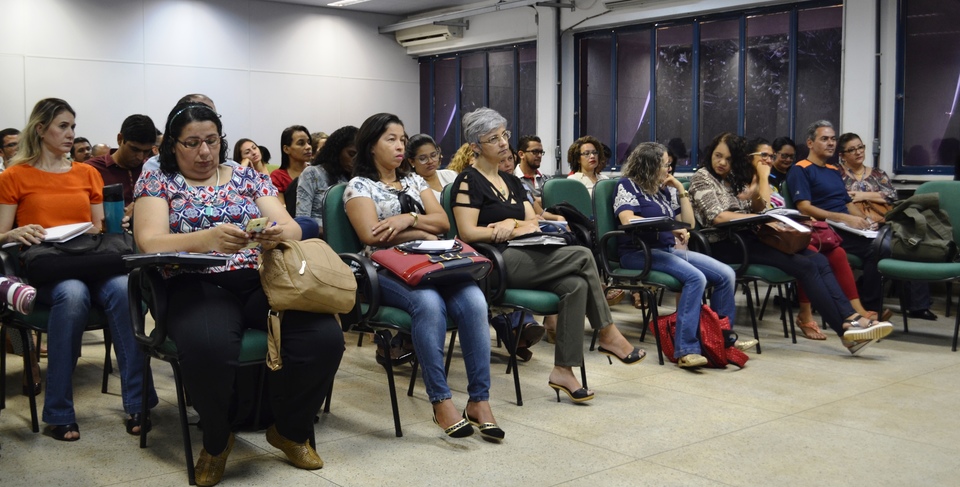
(493, 206)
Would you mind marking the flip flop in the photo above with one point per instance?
(811, 331)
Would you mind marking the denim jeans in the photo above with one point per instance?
(695, 271)
(428, 307)
(70, 303)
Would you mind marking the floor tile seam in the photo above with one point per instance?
(872, 432)
(725, 401)
(685, 472)
(711, 438)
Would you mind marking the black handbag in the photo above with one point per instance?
(87, 257)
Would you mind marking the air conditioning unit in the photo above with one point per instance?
(427, 34)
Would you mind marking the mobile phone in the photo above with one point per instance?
(256, 225)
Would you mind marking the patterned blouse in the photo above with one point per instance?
(876, 181)
(312, 187)
(710, 197)
(385, 198)
(195, 208)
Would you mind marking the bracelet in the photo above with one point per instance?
(684, 194)
(416, 218)
(516, 224)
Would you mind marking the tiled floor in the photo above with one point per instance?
(804, 414)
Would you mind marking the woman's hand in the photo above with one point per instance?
(269, 237)
(227, 238)
(672, 181)
(682, 235)
(858, 196)
(26, 235)
(387, 228)
(503, 230)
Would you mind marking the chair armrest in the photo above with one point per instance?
(699, 242)
(146, 282)
(605, 259)
(881, 244)
(368, 286)
(738, 240)
(496, 282)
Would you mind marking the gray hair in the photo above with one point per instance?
(812, 128)
(481, 121)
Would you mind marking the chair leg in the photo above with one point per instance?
(184, 426)
(28, 370)
(783, 309)
(654, 317)
(949, 297)
(147, 385)
(326, 402)
(956, 330)
(583, 373)
(766, 298)
(261, 380)
(753, 316)
(360, 339)
(791, 292)
(107, 362)
(388, 366)
(511, 342)
(903, 305)
(593, 340)
(3, 366)
(413, 375)
(453, 341)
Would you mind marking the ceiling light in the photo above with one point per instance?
(345, 3)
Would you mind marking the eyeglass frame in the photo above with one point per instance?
(495, 139)
(764, 155)
(433, 156)
(209, 141)
(854, 150)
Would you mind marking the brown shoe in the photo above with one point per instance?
(209, 470)
(301, 455)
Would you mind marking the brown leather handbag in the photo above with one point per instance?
(876, 212)
(783, 237)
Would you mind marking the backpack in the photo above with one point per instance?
(580, 225)
(921, 230)
(716, 339)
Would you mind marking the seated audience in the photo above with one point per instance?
(317, 139)
(491, 206)
(818, 190)
(135, 145)
(463, 159)
(587, 160)
(724, 189)
(784, 151)
(332, 165)
(10, 139)
(81, 149)
(40, 189)
(424, 155)
(100, 150)
(194, 203)
(642, 193)
(869, 188)
(248, 153)
(382, 219)
(297, 152)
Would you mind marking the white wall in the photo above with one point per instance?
(266, 65)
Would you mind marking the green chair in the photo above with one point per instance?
(147, 290)
(645, 281)
(570, 191)
(503, 300)
(370, 315)
(905, 270)
(38, 322)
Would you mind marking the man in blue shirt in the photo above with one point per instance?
(818, 190)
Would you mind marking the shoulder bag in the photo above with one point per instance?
(824, 238)
(784, 235)
(89, 257)
(303, 275)
(415, 265)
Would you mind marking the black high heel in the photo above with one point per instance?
(489, 431)
(579, 395)
(460, 429)
(634, 357)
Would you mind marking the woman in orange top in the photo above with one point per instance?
(41, 188)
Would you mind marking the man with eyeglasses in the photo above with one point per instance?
(818, 190)
(11, 141)
(785, 151)
(135, 144)
(530, 150)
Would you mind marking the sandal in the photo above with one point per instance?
(59, 432)
(614, 296)
(811, 331)
(885, 316)
(134, 422)
(692, 360)
(638, 302)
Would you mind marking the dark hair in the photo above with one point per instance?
(286, 138)
(524, 142)
(73, 149)
(236, 149)
(180, 117)
(416, 142)
(9, 131)
(573, 153)
(367, 136)
(673, 159)
(139, 129)
(196, 98)
(754, 143)
(780, 142)
(329, 156)
(847, 137)
(643, 166)
(741, 171)
(264, 154)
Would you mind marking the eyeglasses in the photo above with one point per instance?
(433, 156)
(536, 152)
(588, 153)
(785, 156)
(763, 155)
(495, 139)
(859, 148)
(194, 143)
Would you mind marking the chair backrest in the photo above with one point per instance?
(446, 200)
(337, 229)
(569, 190)
(290, 197)
(787, 197)
(604, 218)
(949, 201)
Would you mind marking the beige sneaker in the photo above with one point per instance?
(692, 360)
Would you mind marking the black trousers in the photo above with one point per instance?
(207, 316)
(917, 293)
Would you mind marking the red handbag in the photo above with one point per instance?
(714, 344)
(823, 238)
(415, 265)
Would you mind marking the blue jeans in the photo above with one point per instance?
(69, 303)
(428, 307)
(694, 271)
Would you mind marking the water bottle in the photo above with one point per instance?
(113, 207)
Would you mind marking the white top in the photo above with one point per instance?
(587, 181)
